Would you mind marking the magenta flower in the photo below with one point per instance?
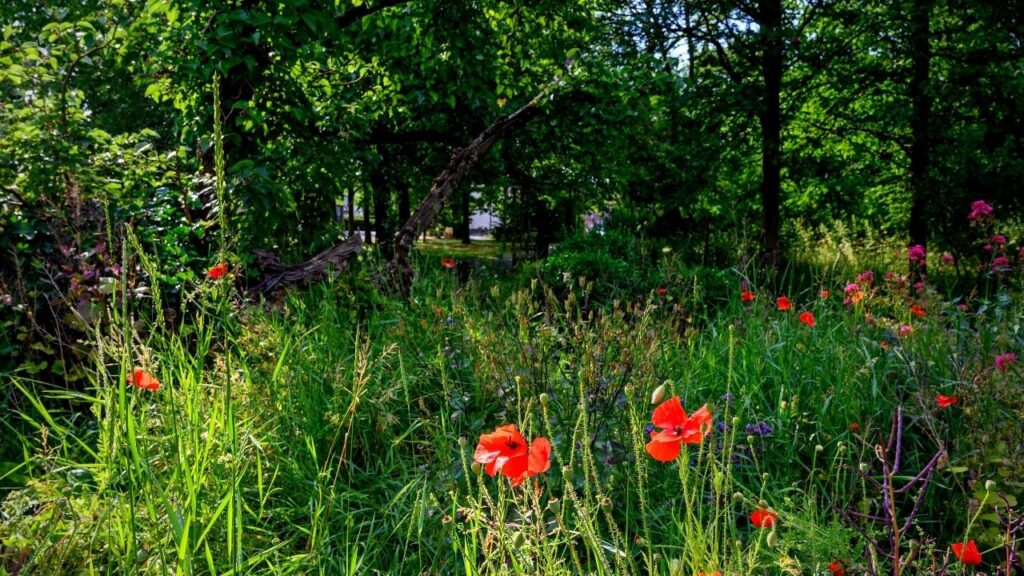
(904, 330)
(979, 210)
(999, 239)
(1004, 361)
(866, 277)
(916, 254)
(852, 288)
(947, 259)
(1001, 264)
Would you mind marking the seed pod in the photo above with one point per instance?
(658, 395)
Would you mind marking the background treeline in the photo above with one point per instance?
(725, 126)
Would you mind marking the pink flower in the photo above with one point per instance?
(998, 239)
(987, 247)
(916, 254)
(1004, 361)
(866, 277)
(904, 330)
(979, 210)
(852, 288)
(1001, 264)
(947, 259)
(918, 287)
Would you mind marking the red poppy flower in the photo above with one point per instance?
(217, 271)
(448, 262)
(506, 451)
(144, 380)
(748, 296)
(661, 291)
(836, 568)
(917, 310)
(676, 429)
(946, 401)
(854, 427)
(967, 553)
(763, 518)
(824, 294)
(782, 303)
(807, 318)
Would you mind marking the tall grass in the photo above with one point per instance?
(334, 434)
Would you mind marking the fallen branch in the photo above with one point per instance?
(397, 275)
(277, 276)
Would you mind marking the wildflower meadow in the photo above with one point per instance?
(507, 288)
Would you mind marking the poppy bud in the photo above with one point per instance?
(518, 540)
(750, 439)
(606, 503)
(764, 476)
(555, 506)
(735, 421)
(475, 466)
(462, 441)
(566, 470)
(762, 504)
(818, 448)
(864, 467)
(495, 291)
(658, 395)
(544, 399)
(772, 539)
(990, 485)
(737, 497)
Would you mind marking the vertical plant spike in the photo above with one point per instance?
(890, 457)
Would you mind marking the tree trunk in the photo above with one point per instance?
(367, 225)
(920, 145)
(351, 211)
(771, 128)
(466, 216)
(381, 203)
(691, 44)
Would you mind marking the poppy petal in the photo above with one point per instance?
(540, 456)
(669, 414)
(663, 451)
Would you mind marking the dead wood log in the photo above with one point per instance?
(277, 276)
(396, 277)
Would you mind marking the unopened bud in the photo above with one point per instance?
(658, 395)
(518, 540)
(735, 421)
(555, 506)
(606, 503)
(772, 539)
(737, 497)
(864, 467)
(990, 485)
(544, 399)
(462, 441)
(818, 448)
(475, 467)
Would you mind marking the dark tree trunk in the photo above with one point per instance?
(771, 128)
(920, 145)
(403, 203)
(367, 225)
(351, 211)
(466, 216)
(381, 203)
(691, 44)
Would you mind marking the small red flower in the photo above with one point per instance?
(967, 553)
(748, 296)
(836, 568)
(144, 380)
(807, 318)
(662, 291)
(676, 429)
(783, 304)
(763, 518)
(854, 427)
(917, 310)
(506, 451)
(946, 401)
(824, 294)
(448, 262)
(217, 271)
